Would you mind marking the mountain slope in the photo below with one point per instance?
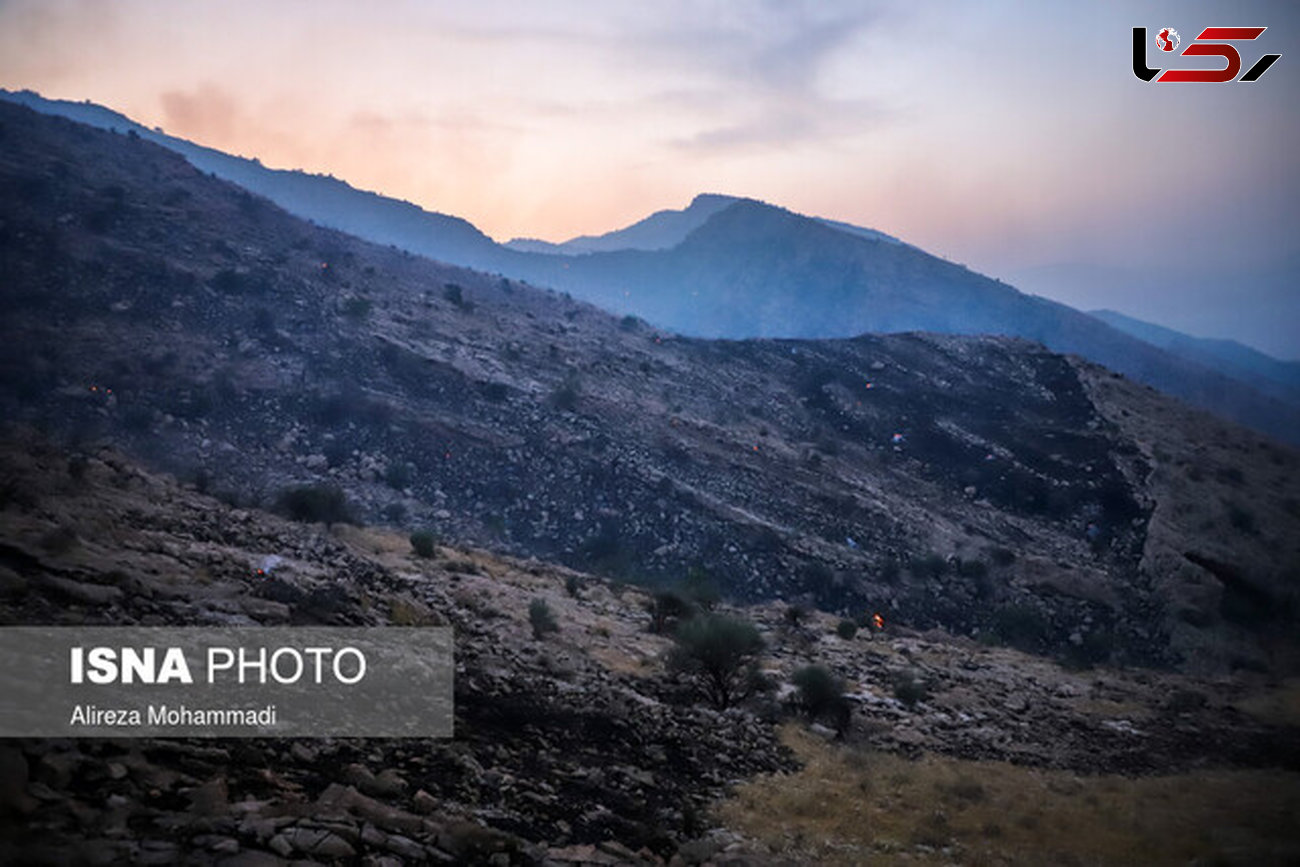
(319, 198)
(1279, 378)
(748, 270)
(975, 484)
(756, 270)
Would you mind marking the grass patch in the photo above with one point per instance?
(851, 806)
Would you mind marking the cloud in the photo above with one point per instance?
(788, 125)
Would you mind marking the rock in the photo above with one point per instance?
(317, 842)
(405, 847)
(281, 845)
(389, 784)
(210, 799)
(11, 583)
(424, 803)
(77, 591)
(14, 799)
(252, 858)
(349, 800)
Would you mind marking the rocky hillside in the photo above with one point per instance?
(579, 747)
(984, 485)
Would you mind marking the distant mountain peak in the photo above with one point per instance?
(662, 230)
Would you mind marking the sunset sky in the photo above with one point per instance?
(1011, 137)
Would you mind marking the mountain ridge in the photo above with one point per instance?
(865, 286)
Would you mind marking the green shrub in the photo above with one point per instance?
(847, 629)
(821, 693)
(423, 543)
(541, 618)
(325, 504)
(719, 654)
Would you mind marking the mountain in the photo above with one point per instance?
(961, 482)
(659, 231)
(756, 270)
(741, 268)
(193, 381)
(1270, 375)
(322, 199)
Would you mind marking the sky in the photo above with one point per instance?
(1009, 136)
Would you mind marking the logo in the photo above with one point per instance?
(1211, 42)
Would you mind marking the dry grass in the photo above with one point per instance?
(851, 806)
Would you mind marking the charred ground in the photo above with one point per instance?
(977, 484)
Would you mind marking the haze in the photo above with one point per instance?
(1010, 137)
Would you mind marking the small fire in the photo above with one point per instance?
(877, 621)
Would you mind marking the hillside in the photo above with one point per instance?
(1271, 376)
(975, 484)
(582, 747)
(739, 268)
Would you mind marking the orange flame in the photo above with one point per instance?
(878, 621)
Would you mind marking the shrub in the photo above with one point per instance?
(395, 513)
(423, 543)
(398, 475)
(573, 585)
(565, 397)
(1002, 556)
(821, 694)
(719, 654)
(910, 688)
(326, 504)
(929, 566)
(455, 294)
(1022, 627)
(666, 607)
(629, 323)
(357, 308)
(541, 618)
(847, 629)
(795, 615)
(700, 589)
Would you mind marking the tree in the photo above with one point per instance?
(719, 654)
